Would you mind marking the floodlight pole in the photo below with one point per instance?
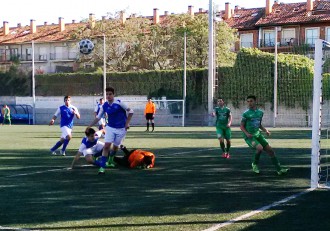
(33, 86)
(104, 68)
(184, 77)
(211, 63)
(275, 80)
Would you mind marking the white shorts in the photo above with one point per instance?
(65, 132)
(94, 150)
(114, 135)
(101, 121)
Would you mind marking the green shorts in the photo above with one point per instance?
(223, 133)
(6, 120)
(255, 141)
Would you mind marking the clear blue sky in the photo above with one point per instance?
(21, 11)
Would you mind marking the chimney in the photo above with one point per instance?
(227, 11)
(122, 17)
(156, 16)
(200, 10)
(19, 25)
(191, 11)
(309, 6)
(166, 13)
(73, 21)
(237, 7)
(61, 24)
(5, 28)
(268, 7)
(33, 26)
(45, 23)
(92, 20)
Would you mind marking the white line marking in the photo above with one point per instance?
(13, 228)
(49, 170)
(262, 209)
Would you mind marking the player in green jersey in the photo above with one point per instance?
(6, 115)
(223, 123)
(251, 126)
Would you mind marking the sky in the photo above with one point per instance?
(22, 11)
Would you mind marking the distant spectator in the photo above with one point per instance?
(6, 115)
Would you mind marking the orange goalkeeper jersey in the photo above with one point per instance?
(150, 108)
(136, 158)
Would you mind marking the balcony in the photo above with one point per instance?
(284, 42)
(67, 56)
(37, 58)
(5, 58)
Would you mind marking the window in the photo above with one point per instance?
(288, 37)
(59, 53)
(311, 35)
(246, 40)
(28, 53)
(269, 38)
(42, 53)
(327, 34)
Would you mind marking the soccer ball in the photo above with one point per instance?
(86, 46)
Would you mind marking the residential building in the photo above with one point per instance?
(297, 24)
(55, 50)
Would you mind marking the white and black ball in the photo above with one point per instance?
(86, 46)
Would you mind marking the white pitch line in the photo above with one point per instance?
(260, 210)
(39, 172)
(12, 228)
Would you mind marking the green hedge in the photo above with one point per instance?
(253, 73)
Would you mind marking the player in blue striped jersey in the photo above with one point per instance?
(119, 117)
(90, 147)
(67, 113)
(97, 108)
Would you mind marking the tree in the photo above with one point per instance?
(138, 44)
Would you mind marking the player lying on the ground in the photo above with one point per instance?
(90, 147)
(135, 158)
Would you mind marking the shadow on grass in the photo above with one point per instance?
(196, 182)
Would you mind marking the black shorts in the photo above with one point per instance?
(149, 116)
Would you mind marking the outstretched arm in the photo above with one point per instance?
(75, 159)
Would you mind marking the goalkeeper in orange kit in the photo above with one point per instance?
(135, 158)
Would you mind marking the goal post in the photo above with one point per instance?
(321, 47)
(169, 112)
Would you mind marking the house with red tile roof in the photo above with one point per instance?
(55, 50)
(297, 24)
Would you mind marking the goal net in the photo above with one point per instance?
(320, 158)
(169, 113)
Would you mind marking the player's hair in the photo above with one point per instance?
(67, 97)
(101, 99)
(111, 89)
(251, 97)
(147, 160)
(89, 131)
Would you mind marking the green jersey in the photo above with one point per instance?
(252, 120)
(6, 113)
(222, 115)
